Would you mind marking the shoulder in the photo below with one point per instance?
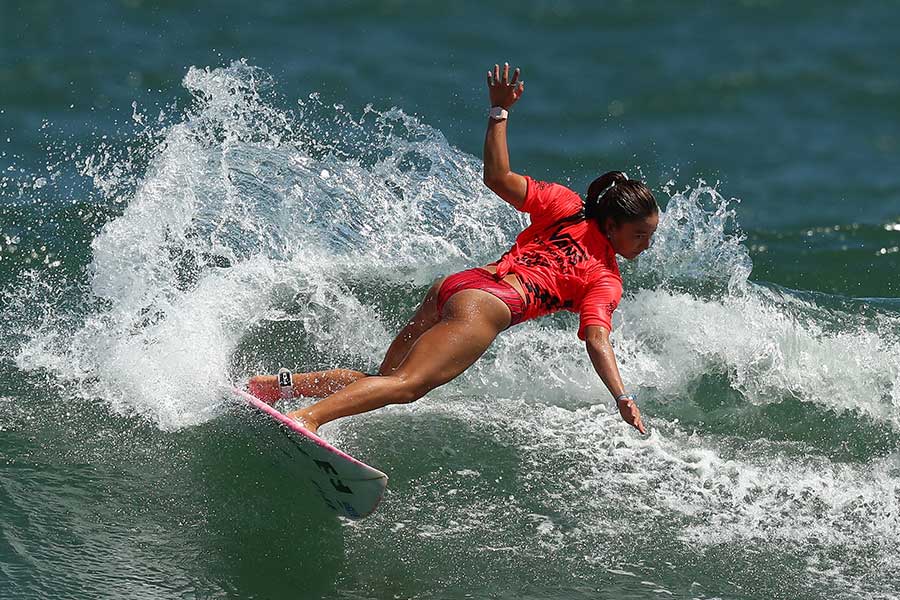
(546, 196)
(601, 276)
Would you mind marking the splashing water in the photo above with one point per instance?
(251, 235)
(697, 245)
(243, 207)
(247, 213)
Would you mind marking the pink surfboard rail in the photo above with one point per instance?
(347, 485)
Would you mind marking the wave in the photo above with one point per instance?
(251, 236)
(248, 215)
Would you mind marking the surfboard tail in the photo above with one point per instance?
(346, 485)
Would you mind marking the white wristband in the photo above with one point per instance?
(498, 113)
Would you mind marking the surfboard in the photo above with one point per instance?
(346, 485)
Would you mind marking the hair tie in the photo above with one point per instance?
(606, 189)
(611, 185)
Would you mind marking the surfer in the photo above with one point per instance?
(565, 260)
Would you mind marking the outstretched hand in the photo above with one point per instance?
(631, 414)
(503, 90)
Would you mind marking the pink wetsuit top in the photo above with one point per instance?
(563, 261)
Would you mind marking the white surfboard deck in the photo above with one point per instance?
(346, 485)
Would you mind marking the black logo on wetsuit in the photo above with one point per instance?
(561, 251)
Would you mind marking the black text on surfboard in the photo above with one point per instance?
(337, 483)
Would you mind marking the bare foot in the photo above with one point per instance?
(265, 387)
(304, 420)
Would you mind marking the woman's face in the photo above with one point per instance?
(631, 237)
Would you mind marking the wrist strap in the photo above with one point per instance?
(631, 397)
(285, 384)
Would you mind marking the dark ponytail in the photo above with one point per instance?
(614, 195)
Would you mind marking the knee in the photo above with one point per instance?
(435, 287)
(431, 298)
(409, 389)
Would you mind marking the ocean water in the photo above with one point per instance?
(194, 193)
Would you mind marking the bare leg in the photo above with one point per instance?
(313, 385)
(426, 317)
(324, 383)
(471, 321)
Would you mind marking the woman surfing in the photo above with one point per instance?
(564, 260)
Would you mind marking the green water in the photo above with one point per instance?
(173, 218)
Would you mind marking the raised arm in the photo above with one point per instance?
(503, 92)
(604, 361)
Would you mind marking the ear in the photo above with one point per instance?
(609, 225)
